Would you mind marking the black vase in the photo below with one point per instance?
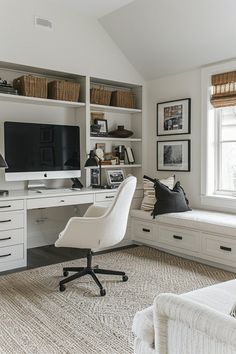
(121, 132)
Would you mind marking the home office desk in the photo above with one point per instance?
(13, 217)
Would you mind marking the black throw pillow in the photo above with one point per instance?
(169, 201)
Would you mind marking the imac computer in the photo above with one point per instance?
(41, 151)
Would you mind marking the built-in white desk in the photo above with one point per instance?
(13, 217)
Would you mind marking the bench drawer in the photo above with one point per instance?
(11, 220)
(11, 253)
(144, 230)
(179, 238)
(219, 247)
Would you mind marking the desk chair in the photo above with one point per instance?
(99, 228)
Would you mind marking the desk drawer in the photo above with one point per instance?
(11, 237)
(219, 247)
(48, 202)
(105, 197)
(11, 205)
(11, 253)
(179, 238)
(11, 220)
(143, 230)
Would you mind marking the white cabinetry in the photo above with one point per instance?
(12, 234)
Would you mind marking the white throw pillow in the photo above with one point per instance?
(149, 192)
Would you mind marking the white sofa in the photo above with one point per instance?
(197, 322)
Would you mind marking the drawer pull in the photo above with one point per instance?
(109, 196)
(5, 238)
(229, 249)
(62, 201)
(178, 237)
(146, 230)
(5, 206)
(5, 255)
(2, 221)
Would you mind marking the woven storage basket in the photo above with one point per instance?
(64, 90)
(124, 99)
(33, 86)
(100, 96)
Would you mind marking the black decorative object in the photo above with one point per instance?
(169, 201)
(121, 132)
(4, 165)
(174, 117)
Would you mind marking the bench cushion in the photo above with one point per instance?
(204, 220)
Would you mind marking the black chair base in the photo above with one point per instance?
(88, 270)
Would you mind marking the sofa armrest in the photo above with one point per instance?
(200, 317)
(143, 326)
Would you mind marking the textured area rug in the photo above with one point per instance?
(37, 318)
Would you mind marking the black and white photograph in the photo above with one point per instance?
(173, 117)
(95, 176)
(103, 126)
(115, 177)
(173, 155)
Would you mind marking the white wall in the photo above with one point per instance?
(179, 86)
(77, 43)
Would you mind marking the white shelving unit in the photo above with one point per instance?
(79, 113)
(130, 118)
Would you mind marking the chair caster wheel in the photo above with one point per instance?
(125, 278)
(62, 287)
(102, 292)
(65, 273)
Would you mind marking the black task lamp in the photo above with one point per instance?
(95, 161)
(3, 164)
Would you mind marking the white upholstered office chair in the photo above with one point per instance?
(100, 227)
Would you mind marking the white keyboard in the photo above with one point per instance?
(56, 190)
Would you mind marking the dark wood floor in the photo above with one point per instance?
(46, 255)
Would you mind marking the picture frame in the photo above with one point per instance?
(174, 117)
(104, 126)
(94, 176)
(115, 177)
(173, 155)
(130, 155)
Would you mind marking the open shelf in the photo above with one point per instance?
(100, 138)
(40, 101)
(122, 166)
(102, 108)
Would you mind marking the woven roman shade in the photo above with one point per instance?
(223, 89)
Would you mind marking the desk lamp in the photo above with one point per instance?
(95, 161)
(3, 164)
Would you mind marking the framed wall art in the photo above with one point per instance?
(173, 155)
(174, 117)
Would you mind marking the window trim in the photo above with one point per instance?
(208, 164)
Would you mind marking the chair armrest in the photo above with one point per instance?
(197, 316)
(95, 211)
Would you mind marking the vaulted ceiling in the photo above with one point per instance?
(162, 37)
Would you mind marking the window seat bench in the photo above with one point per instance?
(202, 235)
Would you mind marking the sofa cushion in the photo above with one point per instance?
(143, 326)
(220, 297)
(169, 200)
(204, 220)
(149, 198)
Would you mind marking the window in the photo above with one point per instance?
(218, 131)
(225, 165)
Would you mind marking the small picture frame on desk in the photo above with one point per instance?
(115, 177)
(94, 176)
